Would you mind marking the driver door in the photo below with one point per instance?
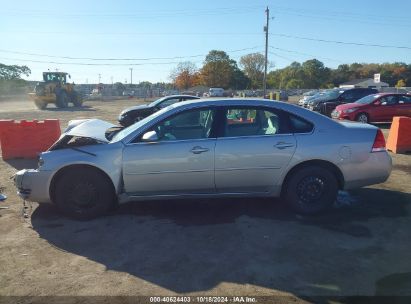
(180, 161)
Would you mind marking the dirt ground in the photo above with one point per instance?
(253, 247)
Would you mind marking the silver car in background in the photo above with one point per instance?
(208, 148)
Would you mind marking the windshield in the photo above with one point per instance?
(367, 99)
(130, 129)
(332, 94)
(157, 102)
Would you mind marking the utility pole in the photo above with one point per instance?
(131, 76)
(267, 11)
(99, 78)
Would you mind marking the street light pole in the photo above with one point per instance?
(131, 76)
(267, 11)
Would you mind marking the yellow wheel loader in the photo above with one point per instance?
(55, 89)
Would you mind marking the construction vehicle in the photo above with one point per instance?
(55, 89)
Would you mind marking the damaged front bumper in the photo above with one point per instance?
(33, 185)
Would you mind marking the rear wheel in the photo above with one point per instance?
(84, 193)
(76, 99)
(62, 100)
(362, 117)
(40, 104)
(311, 189)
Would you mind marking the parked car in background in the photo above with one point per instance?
(130, 115)
(208, 148)
(306, 96)
(331, 99)
(375, 108)
(216, 92)
(305, 102)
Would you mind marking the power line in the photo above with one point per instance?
(120, 59)
(342, 42)
(283, 57)
(305, 54)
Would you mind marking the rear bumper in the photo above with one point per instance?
(32, 185)
(376, 169)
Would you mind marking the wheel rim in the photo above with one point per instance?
(310, 189)
(363, 118)
(83, 196)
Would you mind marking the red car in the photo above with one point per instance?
(380, 107)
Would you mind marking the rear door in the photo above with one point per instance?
(254, 148)
(404, 105)
(386, 109)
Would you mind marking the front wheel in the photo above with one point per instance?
(84, 193)
(311, 189)
(362, 117)
(62, 100)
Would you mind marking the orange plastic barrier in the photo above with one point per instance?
(26, 139)
(399, 138)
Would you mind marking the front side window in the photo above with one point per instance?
(251, 122)
(194, 124)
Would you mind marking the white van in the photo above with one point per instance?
(216, 92)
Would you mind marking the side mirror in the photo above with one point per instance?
(377, 103)
(150, 136)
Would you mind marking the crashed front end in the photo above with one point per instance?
(34, 184)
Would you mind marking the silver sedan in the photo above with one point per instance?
(208, 148)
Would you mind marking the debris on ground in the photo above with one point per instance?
(344, 199)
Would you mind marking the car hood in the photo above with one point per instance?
(349, 106)
(136, 108)
(91, 128)
(320, 99)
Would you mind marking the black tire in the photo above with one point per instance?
(40, 104)
(84, 193)
(362, 117)
(62, 100)
(76, 99)
(311, 189)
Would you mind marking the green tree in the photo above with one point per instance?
(253, 66)
(217, 70)
(119, 88)
(10, 79)
(400, 83)
(315, 72)
(238, 81)
(11, 72)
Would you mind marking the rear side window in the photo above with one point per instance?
(252, 121)
(299, 125)
(405, 99)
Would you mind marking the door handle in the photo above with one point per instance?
(198, 150)
(282, 145)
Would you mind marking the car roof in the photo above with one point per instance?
(280, 105)
(321, 122)
(181, 96)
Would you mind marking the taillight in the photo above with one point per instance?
(379, 142)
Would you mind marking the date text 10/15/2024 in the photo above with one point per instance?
(203, 299)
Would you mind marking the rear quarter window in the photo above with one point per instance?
(300, 125)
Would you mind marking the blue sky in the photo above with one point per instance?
(163, 33)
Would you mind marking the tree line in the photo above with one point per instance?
(219, 70)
